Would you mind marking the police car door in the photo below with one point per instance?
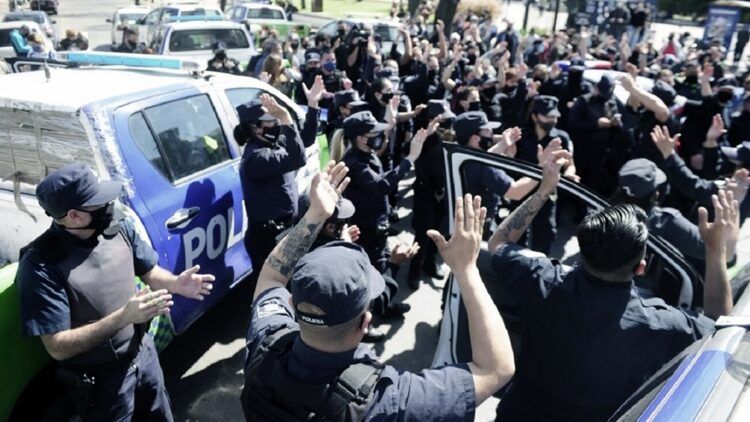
(679, 279)
(185, 174)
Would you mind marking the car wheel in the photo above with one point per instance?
(54, 405)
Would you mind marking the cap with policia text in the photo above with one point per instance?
(362, 123)
(640, 177)
(74, 186)
(545, 105)
(338, 279)
(470, 123)
(347, 98)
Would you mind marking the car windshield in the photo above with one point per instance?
(265, 13)
(130, 17)
(386, 33)
(201, 39)
(14, 17)
(201, 12)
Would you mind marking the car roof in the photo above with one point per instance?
(18, 24)
(209, 24)
(132, 9)
(26, 12)
(193, 6)
(63, 90)
(260, 6)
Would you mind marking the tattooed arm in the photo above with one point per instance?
(515, 225)
(325, 191)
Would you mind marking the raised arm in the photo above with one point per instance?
(717, 293)
(325, 191)
(492, 364)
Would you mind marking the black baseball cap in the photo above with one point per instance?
(470, 123)
(665, 92)
(362, 123)
(348, 97)
(252, 112)
(312, 56)
(545, 105)
(218, 46)
(74, 186)
(739, 154)
(337, 278)
(640, 177)
(606, 84)
(437, 108)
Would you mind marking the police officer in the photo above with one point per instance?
(429, 191)
(304, 358)
(491, 184)
(640, 182)
(221, 62)
(274, 151)
(544, 116)
(370, 184)
(78, 294)
(345, 103)
(589, 376)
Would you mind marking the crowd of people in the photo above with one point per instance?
(663, 133)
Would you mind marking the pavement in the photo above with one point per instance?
(203, 367)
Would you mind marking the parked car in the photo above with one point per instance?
(385, 31)
(701, 383)
(161, 15)
(168, 136)
(124, 18)
(256, 16)
(46, 24)
(6, 49)
(193, 39)
(49, 6)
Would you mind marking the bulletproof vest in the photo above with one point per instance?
(98, 281)
(271, 394)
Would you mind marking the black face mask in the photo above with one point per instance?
(431, 74)
(691, 79)
(509, 89)
(485, 142)
(386, 97)
(295, 45)
(101, 219)
(446, 124)
(221, 55)
(546, 126)
(375, 143)
(341, 32)
(724, 96)
(472, 59)
(475, 106)
(575, 78)
(271, 134)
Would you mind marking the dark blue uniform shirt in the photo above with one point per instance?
(587, 344)
(445, 394)
(529, 141)
(370, 186)
(488, 182)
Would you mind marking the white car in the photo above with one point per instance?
(194, 39)
(384, 31)
(123, 18)
(161, 15)
(6, 48)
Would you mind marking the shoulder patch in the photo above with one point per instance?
(270, 307)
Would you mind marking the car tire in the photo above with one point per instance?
(43, 399)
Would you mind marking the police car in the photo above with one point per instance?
(123, 18)
(255, 16)
(160, 15)
(167, 134)
(704, 382)
(192, 37)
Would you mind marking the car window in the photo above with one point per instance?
(265, 13)
(386, 33)
(237, 13)
(144, 140)
(328, 29)
(129, 17)
(201, 39)
(5, 37)
(38, 18)
(200, 12)
(190, 135)
(152, 17)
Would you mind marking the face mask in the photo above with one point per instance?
(221, 55)
(101, 219)
(509, 89)
(485, 142)
(691, 79)
(446, 124)
(295, 45)
(724, 96)
(375, 143)
(271, 134)
(472, 59)
(341, 32)
(475, 106)
(546, 126)
(575, 78)
(386, 97)
(329, 66)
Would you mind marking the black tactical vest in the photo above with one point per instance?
(272, 395)
(98, 281)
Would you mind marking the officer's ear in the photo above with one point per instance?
(364, 322)
(640, 269)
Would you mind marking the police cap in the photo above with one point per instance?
(640, 177)
(545, 105)
(252, 112)
(470, 123)
(74, 186)
(362, 123)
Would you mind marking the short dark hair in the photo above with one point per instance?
(647, 203)
(613, 240)
(379, 84)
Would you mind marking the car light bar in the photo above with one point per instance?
(194, 18)
(127, 59)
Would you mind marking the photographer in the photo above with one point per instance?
(359, 42)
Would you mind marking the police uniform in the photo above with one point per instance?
(65, 282)
(580, 334)
(267, 174)
(430, 203)
(302, 376)
(544, 225)
(370, 187)
(490, 183)
(345, 98)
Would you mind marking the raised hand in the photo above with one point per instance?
(145, 305)
(350, 233)
(326, 189)
(543, 155)
(715, 234)
(192, 285)
(460, 253)
(627, 82)
(556, 160)
(274, 109)
(433, 126)
(662, 140)
(416, 144)
(402, 252)
(738, 184)
(715, 131)
(314, 94)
